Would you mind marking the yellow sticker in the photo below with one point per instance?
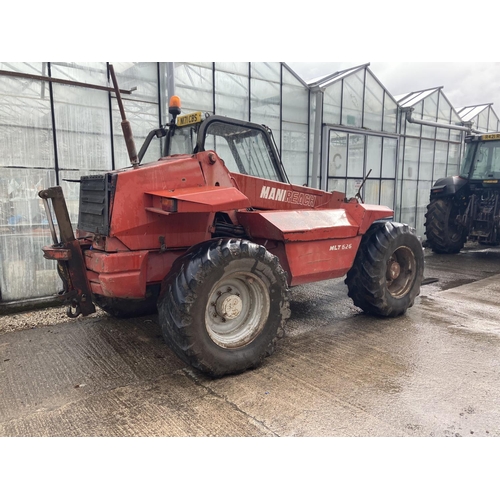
(490, 137)
(191, 118)
(490, 181)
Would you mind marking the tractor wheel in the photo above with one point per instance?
(223, 306)
(387, 271)
(444, 235)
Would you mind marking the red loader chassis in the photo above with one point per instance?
(214, 245)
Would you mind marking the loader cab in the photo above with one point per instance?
(246, 148)
(481, 161)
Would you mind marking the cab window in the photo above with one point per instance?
(487, 162)
(245, 150)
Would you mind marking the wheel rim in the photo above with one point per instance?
(237, 310)
(400, 273)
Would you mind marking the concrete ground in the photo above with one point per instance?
(338, 372)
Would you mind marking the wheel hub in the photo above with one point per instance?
(401, 271)
(237, 309)
(393, 270)
(229, 306)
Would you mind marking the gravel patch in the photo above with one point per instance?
(40, 317)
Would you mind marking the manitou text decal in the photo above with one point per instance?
(344, 246)
(288, 196)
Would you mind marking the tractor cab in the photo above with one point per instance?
(482, 159)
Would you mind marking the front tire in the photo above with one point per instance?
(444, 235)
(387, 271)
(223, 306)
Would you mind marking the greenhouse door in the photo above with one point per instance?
(348, 156)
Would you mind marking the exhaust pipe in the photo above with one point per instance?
(126, 127)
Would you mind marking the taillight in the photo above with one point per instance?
(169, 204)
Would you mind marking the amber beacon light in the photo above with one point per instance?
(174, 106)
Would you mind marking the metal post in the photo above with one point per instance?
(170, 80)
(317, 138)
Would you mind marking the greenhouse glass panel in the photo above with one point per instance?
(194, 86)
(95, 73)
(492, 122)
(390, 114)
(387, 193)
(337, 155)
(83, 128)
(443, 134)
(143, 75)
(430, 107)
(231, 96)
(24, 230)
(143, 118)
(356, 155)
(453, 166)
(426, 160)
(389, 157)
(204, 64)
(374, 109)
(295, 99)
(440, 160)
(373, 155)
(429, 114)
(332, 101)
(455, 135)
(25, 123)
(32, 68)
(352, 99)
(265, 104)
(371, 191)
(235, 68)
(268, 71)
(411, 155)
(336, 185)
(142, 111)
(408, 202)
(482, 120)
(352, 187)
(423, 195)
(444, 116)
(294, 152)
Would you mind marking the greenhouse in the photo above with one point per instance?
(483, 116)
(59, 121)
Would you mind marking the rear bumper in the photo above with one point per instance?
(120, 274)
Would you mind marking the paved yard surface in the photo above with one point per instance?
(338, 372)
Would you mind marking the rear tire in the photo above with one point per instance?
(443, 234)
(387, 271)
(223, 306)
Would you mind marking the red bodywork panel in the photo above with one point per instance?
(315, 234)
(318, 244)
(198, 200)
